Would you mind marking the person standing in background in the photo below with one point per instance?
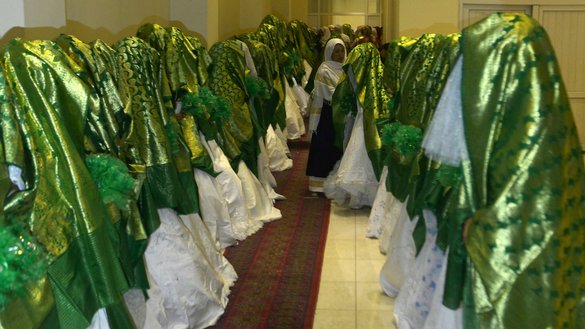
(322, 153)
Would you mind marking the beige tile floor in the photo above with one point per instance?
(350, 296)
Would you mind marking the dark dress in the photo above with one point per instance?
(322, 153)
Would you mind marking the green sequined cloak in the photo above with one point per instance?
(364, 61)
(153, 140)
(227, 79)
(422, 75)
(523, 184)
(267, 70)
(305, 40)
(185, 66)
(60, 203)
(272, 36)
(104, 136)
(418, 77)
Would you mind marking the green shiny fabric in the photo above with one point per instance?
(274, 33)
(524, 183)
(33, 308)
(364, 61)
(107, 60)
(398, 50)
(227, 79)
(103, 135)
(422, 76)
(418, 75)
(278, 34)
(425, 69)
(267, 34)
(203, 59)
(102, 130)
(182, 70)
(267, 69)
(305, 40)
(177, 55)
(60, 203)
(147, 98)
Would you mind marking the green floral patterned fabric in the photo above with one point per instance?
(523, 185)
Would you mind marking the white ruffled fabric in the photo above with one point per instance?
(419, 302)
(414, 301)
(99, 320)
(277, 151)
(260, 206)
(439, 315)
(445, 138)
(189, 278)
(231, 187)
(264, 174)
(301, 97)
(355, 176)
(15, 174)
(394, 209)
(377, 218)
(214, 209)
(294, 119)
(400, 254)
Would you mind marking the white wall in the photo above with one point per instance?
(198, 17)
(44, 13)
(13, 15)
(112, 20)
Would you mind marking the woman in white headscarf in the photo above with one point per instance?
(322, 153)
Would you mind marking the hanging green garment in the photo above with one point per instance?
(267, 34)
(227, 79)
(523, 184)
(203, 59)
(107, 62)
(398, 50)
(267, 70)
(278, 34)
(153, 140)
(364, 63)
(305, 40)
(422, 75)
(182, 70)
(60, 203)
(103, 136)
(348, 30)
(37, 304)
(419, 77)
(179, 61)
(302, 41)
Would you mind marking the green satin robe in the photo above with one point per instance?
(103, 135)
(60, 203)
(267, 70)
(305, 40)
(227, 79)
(183, 70)
(364, 61)
(422, 76)
(523, 184)
(268, 34)
(147, 100)
(418, 75)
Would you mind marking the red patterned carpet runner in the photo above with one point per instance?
(279, 267)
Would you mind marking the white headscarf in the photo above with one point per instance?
(326, 80)
(329, 72)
